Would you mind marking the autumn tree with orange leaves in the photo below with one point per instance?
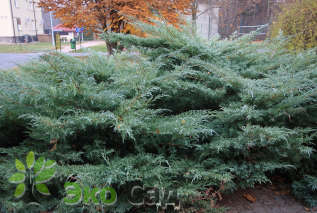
(115, 15)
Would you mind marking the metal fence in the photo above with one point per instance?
(263, 29)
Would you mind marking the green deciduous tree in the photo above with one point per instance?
(298, 20)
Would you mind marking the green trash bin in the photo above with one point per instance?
(73, 44)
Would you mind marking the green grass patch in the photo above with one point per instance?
(98, 48)
(26, 47)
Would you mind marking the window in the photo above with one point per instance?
(19, 26)
(33, 25)
(16, 3)
(29, 4)
(27, 21)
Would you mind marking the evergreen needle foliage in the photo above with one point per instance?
(181, 114)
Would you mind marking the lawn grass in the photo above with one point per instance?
(98, 48)
(27, 47)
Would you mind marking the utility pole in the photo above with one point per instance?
(35, 20)
(52, 29)
(13, 25)
(209, 19)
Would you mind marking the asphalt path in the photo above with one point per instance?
(11, 60)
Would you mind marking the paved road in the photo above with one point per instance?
(83, 45)
(11, 60)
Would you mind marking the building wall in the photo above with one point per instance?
(44, 38)
(236, 13)
(47, 21)
(25, 22)
(207, 20)
(6, 29)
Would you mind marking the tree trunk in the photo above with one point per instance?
(194, 15)
(110, 47)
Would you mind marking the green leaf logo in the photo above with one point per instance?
(17, 178)
(19, 191)
(39, 165)
(41, 171)
(46, 175)
(50, 164)
(19, 165)
(30, 158)
(42, 188)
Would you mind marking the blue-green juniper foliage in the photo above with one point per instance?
(177, 113)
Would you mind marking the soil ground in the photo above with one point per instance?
(264, 199)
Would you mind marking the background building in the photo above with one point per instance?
(20, 21)
(224, 17)
(47, 21)
(244, 16)
(66, 33)
(207, 18)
